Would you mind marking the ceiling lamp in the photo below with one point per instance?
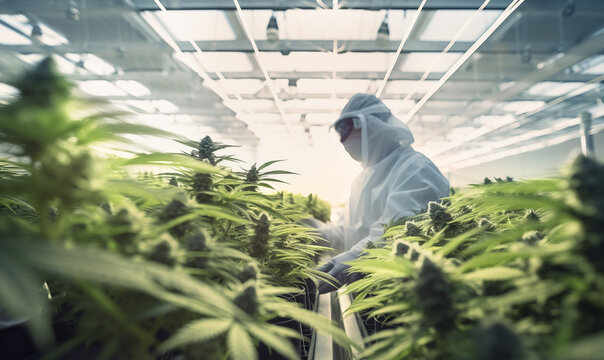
(272, 30)
(292, 86)
(73, 12)
(383, 33)
(36, 34)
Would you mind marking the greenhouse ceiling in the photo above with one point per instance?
(475, 80)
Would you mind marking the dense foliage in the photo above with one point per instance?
(195, 262)
(503, 270)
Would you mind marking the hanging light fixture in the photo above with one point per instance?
(73, 12)
(36, 34)
(383, 33)
(292, 86)
(272, 30)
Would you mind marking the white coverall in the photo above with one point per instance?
(396, 181)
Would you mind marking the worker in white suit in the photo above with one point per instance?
(396, 181)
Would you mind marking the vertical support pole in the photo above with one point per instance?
(587, 143)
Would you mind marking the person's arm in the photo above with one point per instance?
(408, 193)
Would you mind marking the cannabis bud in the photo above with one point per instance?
(401, 248)
(206, 150)
(411, 229)
(196, 242)
(586, 179)
(485, 224)
(164, 251)
(252, 177)
(531, 216)
(201, 183)
(172, 211)
(249, 272)
(531, 237)
(434, 293)
(439, 216)
(497, 341)
(173, 181)
(487, 181)
(261, 236)
(129, 225)
(247, 300)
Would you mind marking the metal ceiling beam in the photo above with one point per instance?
(342, 4)
(287, 46)
(108, 7)
(591, 46)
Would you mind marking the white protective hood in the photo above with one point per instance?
(396, 181)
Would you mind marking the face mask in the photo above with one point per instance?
(353, 147)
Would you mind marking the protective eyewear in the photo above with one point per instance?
(344, 128)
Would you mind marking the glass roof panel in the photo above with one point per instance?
(224, 61)
(424, 61)
(520, 107)
(100, 88)
(22, 23)
(408, 86)
(552, 88)
(241, 86)
(444, 24)
(185, 25)
(7, 93)
(329, 86)
(317, 61)
(328, 24)
(11, 37)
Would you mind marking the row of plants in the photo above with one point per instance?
(195, 262)
(502, 270)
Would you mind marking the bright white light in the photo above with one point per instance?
(97, 65)
(521, 107)
(597, 111)
(459, 132)
(22, 23)
(329, 86)
(8, 92)
(63, 65)
(186, 25)
(551, 88)
(550, 60)
(593, 65)
(144, 105)
(321, 118)
(250, 105)
(420, 62)
(318, 61)
(396, 105)
(445, 23)
(241, 86)
(431, 119)
(408, 86)
(268, 118)
(31, 58)
(314, 104)
(583, 89)
(100, 88)
(220, 61)
(164, 106)
(134, 88)
(10, 37)
(93, 63)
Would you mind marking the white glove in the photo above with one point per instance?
(336, 268)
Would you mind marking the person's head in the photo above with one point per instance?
(369, 131)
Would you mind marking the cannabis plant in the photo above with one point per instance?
(97, 263)
(503, 270)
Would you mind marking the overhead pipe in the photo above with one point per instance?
(587, 143)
